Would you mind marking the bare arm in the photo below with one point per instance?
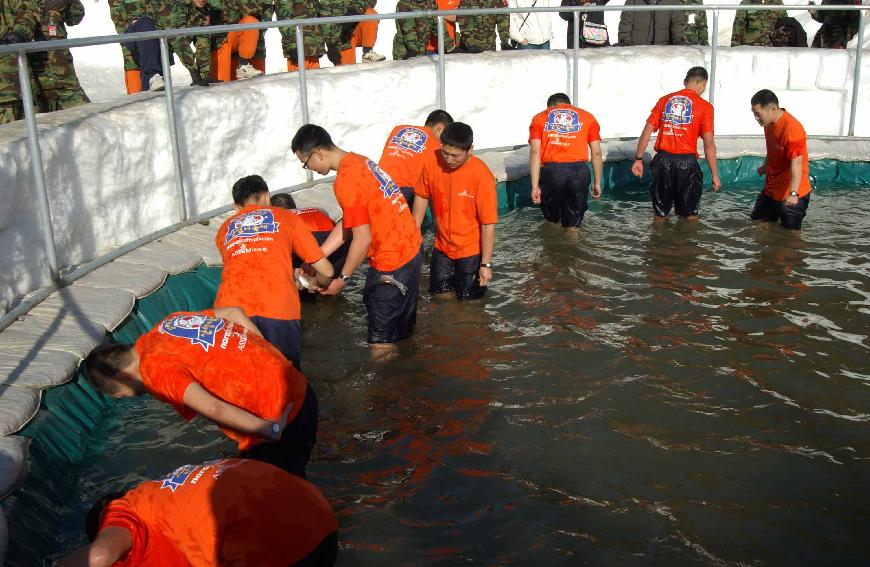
(535, 169)
(637, 165)
(227, 415)
(111, 544)
(795, 181)
(359, 247)
(325, 272)
(710, 156)
(419, 212)
(335, 239)
(487, 244)
(597, 167)
(237, 315)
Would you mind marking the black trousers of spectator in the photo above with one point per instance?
(146, 53)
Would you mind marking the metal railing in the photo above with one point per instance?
(60, 279)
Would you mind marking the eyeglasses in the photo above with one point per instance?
(311, 155)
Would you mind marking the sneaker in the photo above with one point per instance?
(373, 57)
(155, 83)
(247, 71)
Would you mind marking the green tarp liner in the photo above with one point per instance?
(69, 414)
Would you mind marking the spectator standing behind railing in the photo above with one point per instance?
(756, 27)
(364, 35)
(312, 40)
(789, 33)
(58, 86)
(477, 33)
(195, 14)
(412, 34)
(838, 27)
(592, 26)
(338, 36)
(530, 30)
(141, 58)
(232, 60)
(17, 25)
(449, 28)
(652, 28)
(696, 25)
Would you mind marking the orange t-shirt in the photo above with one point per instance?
(450, 27)
(315, 219)
(231, 364)
(565, 133)
(368, 195)
(786, 139)
(462, 200)
(256, 245)
(404, 151)
(681, 118)
(222, 512)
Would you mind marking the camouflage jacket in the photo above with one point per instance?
(125, 12)
(412, 34)
(51, 24)
(756, 27)
(312, 37)
(18, 17)
(837, 27)
(186, 15)
(477, 33)
(696, 25)
(338, 36)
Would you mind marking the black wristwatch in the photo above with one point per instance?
(344, 277)
(638, 158)
(488, 265)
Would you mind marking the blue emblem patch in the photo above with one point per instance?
(678, 110)
(252, 224)
(563, 121)
(410, 138)
(388, 186)
(178, 477)
(198, 329)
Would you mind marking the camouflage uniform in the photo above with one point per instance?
(338, 36)
(186, 15)
(696, 25)
(756, 27)
(837, 27)
(477, 33)
(125, 12)
(17, 17)
(412, 34)
(312, 38)
(55, 75)
(235, 10)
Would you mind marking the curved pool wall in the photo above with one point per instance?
(108, 166)
(46, 397)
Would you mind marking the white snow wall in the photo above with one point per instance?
(109, 170)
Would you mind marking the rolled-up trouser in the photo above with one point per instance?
(676, 182)
(565, 192)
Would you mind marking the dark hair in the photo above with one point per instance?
(92, 520)
(283, 200)
(438, 117)
(248, 187)
(558, 98)
(764, 97)
(104, 362)
(310, 137)
(698, 73)
(458, 135)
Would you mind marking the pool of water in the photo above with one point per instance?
(632, 394)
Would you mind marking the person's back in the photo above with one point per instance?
(478, 33)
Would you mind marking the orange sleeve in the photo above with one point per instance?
(166, 382)
(707, 120)
(536, 129)
(423, 186)
(486, 199)
(655, 116)
(304, 244)
(594, 131)
(119, 515)
(794, 146)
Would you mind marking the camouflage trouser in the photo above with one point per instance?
(58, 85)
(311, 37)
(11, 111)
(412, 36)
(129, 63)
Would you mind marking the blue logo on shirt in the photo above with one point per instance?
(410, 138)
(678, 110)
(387, 185)
(198, 329)
(176, 479)
(252, 224)
(563, 121)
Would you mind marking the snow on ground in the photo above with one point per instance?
(108, 165)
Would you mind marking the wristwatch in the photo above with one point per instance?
(487, 265)
(638, 158)
(794, 193)
(344, 277)
(276, 431)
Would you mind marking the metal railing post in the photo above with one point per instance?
(36, 167)
(442, 90)
(575, 88)
(173, 129)
(714, 49)
(303, 85)
(856, 78)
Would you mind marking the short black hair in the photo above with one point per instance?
(558, 98)
(104, 362)
(310, 137)
(438, 117)
(283, 200)
(92, 520)
(248, 187)
(764, 97)
(697, 73)
(458, 135)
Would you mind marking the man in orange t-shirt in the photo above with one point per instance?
(321, 226)
(257, 245)
(408, 146)
(222, 512)
(215, 363)
(560, 140)
(786, 193)
(462, 192)
(383, 228)
(680, 118)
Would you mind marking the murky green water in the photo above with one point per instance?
(635, 394)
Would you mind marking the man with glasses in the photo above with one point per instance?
(378, 216)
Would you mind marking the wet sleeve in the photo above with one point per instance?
(119, 514)
(594, 130)
(486, 199)
(304, 244)
(655, 116)
(795, 143)
(536, 130)
(707, 120)
(423, 186)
